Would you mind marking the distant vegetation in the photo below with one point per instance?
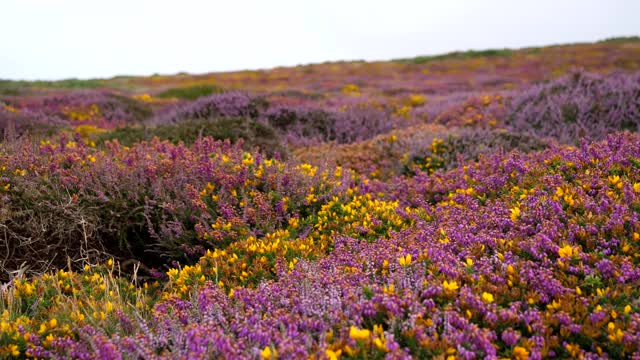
(457, 55)
(470, 54)
(620, 39)
(14, 86)
(190, 92)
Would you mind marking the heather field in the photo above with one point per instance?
(472, 205)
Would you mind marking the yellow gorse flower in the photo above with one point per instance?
(615, 179)
(266, 353)
(351, 89)
(11, 350)
(520, 353)
(143, 97)
(333, 355)
(515, 213)
(359, 334)
(469, 262)
(573, 349)
(405, 260)
(10, 108)
(565, 251)
(416, 100)
(450, 286)
(487, 297)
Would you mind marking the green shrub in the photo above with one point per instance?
(620, 39)
(252, 132)
(460, 55)
(13, 85)
(137, 111)
(191, 92)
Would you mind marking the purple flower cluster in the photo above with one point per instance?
(578, 105)
(228, 104)
(303, 125)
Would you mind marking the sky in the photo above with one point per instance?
(49, 40)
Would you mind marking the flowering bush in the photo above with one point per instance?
(49, 114)
(420, 148)
(190, 92)
(578, 105)
(18, 122)
(230, 104)
(249, 132)
(305, 126)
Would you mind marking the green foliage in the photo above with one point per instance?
(8, 86)
(461, 55)
(190, 92)
(620, 39)
(253, 133)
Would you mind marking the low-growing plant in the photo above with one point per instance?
(190, 92)
(98, 108)
(252, 133)
(578, 105)
(303, 125)
(16, 123)
(458, 55)
(229, 104)
(425, 148)
(59, 84)
(69, 200)
(620, 39)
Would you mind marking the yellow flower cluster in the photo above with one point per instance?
(91, 297)
(361, 214)
(82, 113)
(375, 337)
(450, 286)
(416, 100)
(566, 251)
(308, 169)
(436, 145)
(11, 109)
(185, 279)
(144, 98)
(86, 130)
(488, 99)
(351, 89)
(515, 213)
(405, 260)
(9, 351)
(404, 111)
(247, 261)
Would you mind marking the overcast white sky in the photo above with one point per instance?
(49, 39)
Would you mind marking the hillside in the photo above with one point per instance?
(480, 204)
